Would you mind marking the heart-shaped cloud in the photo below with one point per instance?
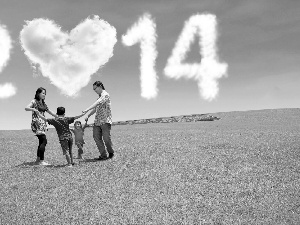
(68, 60)
(6, 90)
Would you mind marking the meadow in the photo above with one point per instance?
(241, 169)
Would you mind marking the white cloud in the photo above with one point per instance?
(5, 46)
(210, 69)
(144, 31)
(7, 90)
(68, 60)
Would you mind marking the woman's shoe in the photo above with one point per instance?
(42, 163)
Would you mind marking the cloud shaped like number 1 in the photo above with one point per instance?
(6, 90)
(68, 60)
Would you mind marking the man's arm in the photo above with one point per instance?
(82, 114)
(91, 113)
(101, 100)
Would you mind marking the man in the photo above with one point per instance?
(103, 121)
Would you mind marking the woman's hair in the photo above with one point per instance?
(37, 93)
(99, 84)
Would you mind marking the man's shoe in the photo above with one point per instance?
(110, 155)
(100, 158)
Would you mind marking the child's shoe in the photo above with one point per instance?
(69, 165)
(37, 161)
(80, 157)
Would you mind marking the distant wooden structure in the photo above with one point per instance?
(172, 119)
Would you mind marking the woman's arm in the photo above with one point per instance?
(29, 108)
(41, 116)
(51, 113)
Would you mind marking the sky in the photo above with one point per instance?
(256, 45)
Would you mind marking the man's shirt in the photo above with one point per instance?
(103, 110)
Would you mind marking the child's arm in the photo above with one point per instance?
(76, 117)
(51, 113)
(85, 125)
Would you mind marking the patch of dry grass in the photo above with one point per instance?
(242, 169)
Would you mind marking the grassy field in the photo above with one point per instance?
(242, 169)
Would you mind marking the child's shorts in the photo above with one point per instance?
(66, 145)
(79, 144)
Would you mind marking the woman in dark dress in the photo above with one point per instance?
(39, 126)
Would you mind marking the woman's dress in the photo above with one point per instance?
(38, 125)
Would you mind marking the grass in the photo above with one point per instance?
(242, 169)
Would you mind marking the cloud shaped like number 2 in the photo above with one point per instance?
(6, 90)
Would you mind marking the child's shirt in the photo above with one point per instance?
(61, 125)
(79, 133)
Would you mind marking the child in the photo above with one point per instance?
(61, 124)
(79, 133)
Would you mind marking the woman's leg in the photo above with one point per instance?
(38, 157)
(42, 145)
(38, 154)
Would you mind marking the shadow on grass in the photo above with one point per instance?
(57, 166)
(90, 160)
(26, 164)
(33, 163)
